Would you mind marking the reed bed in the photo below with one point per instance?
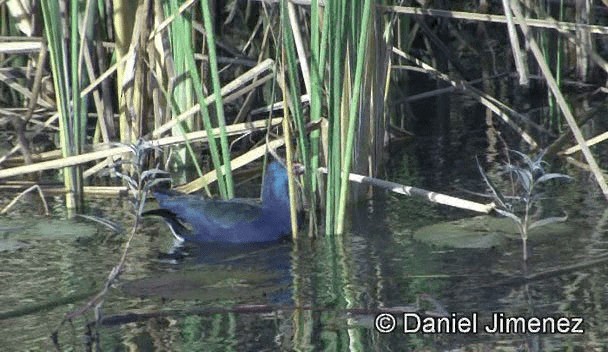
(315, 76)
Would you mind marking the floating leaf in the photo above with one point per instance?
(483, 232)
(52, 229)
(524, 176)
(477, 232)
(62, 229)
(547, 221)
(551, 176)
(524, 157)
(510, 215)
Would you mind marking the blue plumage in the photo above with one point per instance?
(194, 218)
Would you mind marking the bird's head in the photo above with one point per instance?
(275, 190)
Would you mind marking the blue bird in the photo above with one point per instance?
(193, 218)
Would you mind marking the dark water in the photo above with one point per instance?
(322, 295)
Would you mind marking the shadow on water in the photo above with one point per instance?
(214, 272)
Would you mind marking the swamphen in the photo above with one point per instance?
(193, 218)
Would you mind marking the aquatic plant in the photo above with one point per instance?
(522, 205)
(140, 180)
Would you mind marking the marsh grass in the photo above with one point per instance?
(173, 67)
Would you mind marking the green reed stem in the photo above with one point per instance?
(353, 112)
(68, 127)
(336, 64)
(184, 61)
(181, 98)
(219, 105)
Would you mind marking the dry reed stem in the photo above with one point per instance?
(289, 155)
(229, 88)
(128, 55)
(235, 163)
(99, 105)
(106, 191)
(579, 164)
(561, 101)
(246, 106)
(37, 82)
(104, 75)
(278, 106)
(297, 37)
(164, 24)
(46, 124)
(488, 101)
(39, 113)
(287, 131)
(551, 24)
(10, 81)
(520, 64)
(595, 140)
(20, 47)
(99, 166)
(87, 157)
(433, 197)
(34, 187)
(248, 88)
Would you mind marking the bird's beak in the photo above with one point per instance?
(298, 169)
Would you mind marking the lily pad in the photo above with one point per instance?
(481, 232)
(44, 228)
(61, 229)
